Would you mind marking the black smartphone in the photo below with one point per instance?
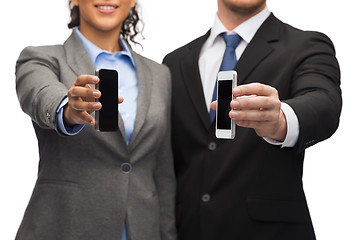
(107, 116)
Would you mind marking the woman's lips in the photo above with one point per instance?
(106, 9)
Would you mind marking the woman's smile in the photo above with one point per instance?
(106, 8)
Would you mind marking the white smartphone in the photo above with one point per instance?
(225, 127)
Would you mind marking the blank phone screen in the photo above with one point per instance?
(108, 86)
(223, 101)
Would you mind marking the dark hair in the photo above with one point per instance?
(130, 28)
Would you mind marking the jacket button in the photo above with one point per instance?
(126, 167)
(212, 146)
(206, 197)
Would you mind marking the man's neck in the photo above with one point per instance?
(231, 19)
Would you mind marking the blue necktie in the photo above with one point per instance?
(228, 61)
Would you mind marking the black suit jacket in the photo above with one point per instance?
(247, 188)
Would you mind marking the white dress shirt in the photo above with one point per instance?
(211, 57)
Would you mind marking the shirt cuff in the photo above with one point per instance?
(71, 131)
(292, 123)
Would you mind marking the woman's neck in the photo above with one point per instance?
(106, 40)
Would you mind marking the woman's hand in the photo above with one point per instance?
(82, 101)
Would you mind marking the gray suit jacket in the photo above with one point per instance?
(89, 184)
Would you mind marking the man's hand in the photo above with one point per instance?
(258, 106)
(82, 101)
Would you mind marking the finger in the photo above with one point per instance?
(85, 106)
(120, 100)
(83, 80)
(213, 105)
(251, 115)
(84, 92)
(86, 117)
(254, 89)
(250, 124)
(255, 102)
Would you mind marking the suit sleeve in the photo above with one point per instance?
(316, 91)
(38, 86)
(165, 176)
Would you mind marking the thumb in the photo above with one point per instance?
(213, 105)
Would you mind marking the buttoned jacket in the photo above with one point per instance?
(91, 184)
(246, 188)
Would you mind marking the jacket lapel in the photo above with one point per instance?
(192, 79)
(144, 95)
(258, 49)
(77, 57)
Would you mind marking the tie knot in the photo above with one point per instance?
(231, 40)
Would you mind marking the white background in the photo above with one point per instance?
(328, 170)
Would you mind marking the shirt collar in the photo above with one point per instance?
(93, 51)
(246, 30)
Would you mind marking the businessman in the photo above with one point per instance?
(250, 187)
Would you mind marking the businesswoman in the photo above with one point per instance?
(92, 184)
